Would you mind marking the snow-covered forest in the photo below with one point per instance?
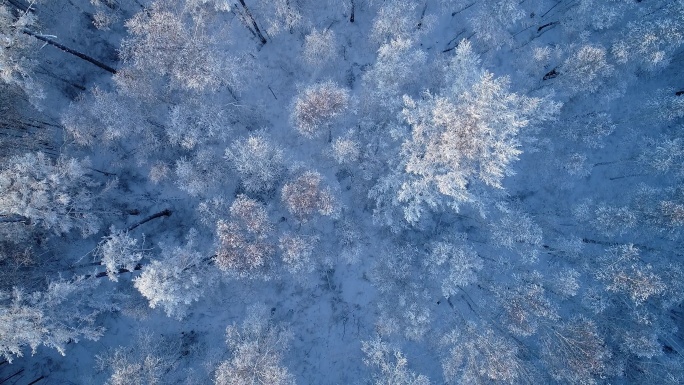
(388, 192)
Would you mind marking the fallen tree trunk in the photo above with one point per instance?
(165, 213)
(71, 51)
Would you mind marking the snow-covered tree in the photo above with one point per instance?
(245, 244)
(56, 195)
(17, 252)
(316, 106)
(16, 52)
(176, 280)
(624, 271)
(642, 345)
(651, 40)
(590, 129)
(478, 355)
(517, 231)
(146, 362)
(665, 155)
(493, 21)
(396, 19)
(279, 15)
(119, 250)
(404, 297)
(525, 304)
(389, 364)
(192, 124)
(200, 174)
(103, 118)
(470, 133)
(668, 104)
(445, 134)
(574, 352)
(320, 47)
(306, 196)
(200, 6)
(103, 18)
(392, 75)
(455, 265)
(159, 172)
(66, 311)
(350, 240)
(596, 14)
(660, 209)
(257, 349)
(611, 220)
(259, 162)
(393, 270)
(297, 252)
(566, 283)
(407, 315)
(163, 42)
(346, 150)
(586, 68)
(127, 369)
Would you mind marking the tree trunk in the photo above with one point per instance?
(550, 75)
(15, 374)
(422, 16)
(254, 24)
(121, 271)
(20, 5)
(165, 213)
(71, 51)
(36, 380)
(551, 24)
(14, 218)
(353, 6)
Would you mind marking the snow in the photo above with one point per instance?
(533, 249)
